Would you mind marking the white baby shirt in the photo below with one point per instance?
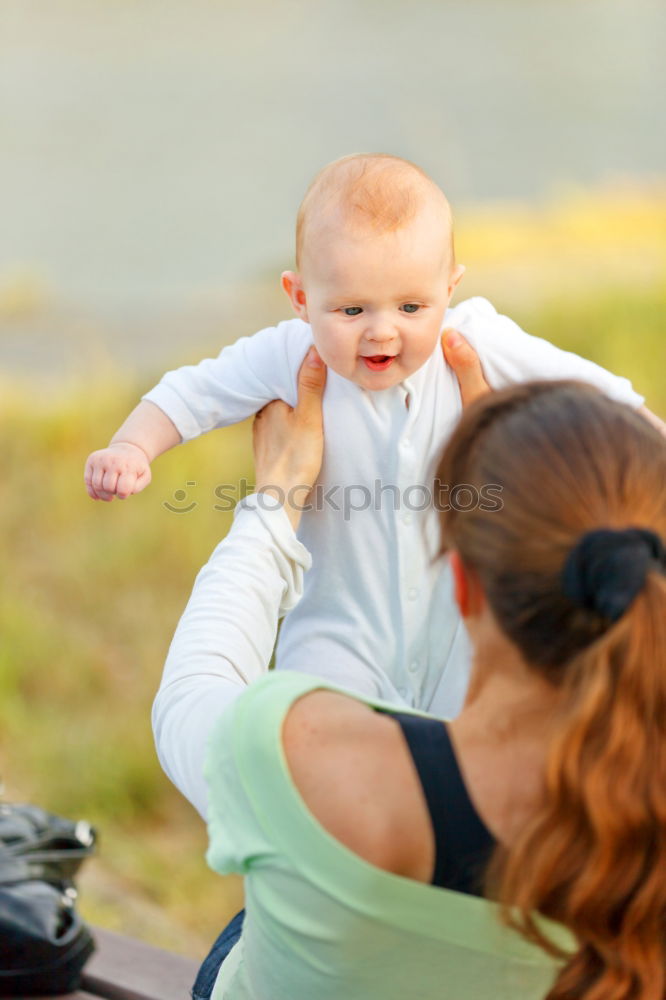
(377, 614)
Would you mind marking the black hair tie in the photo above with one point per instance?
(607, 569)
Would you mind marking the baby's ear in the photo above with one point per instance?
(455, 278)
(293, 286)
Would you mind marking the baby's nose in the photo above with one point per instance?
(380, 333)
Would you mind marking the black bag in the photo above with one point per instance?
(44, 943)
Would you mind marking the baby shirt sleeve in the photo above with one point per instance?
(243, 377)
(509, 355)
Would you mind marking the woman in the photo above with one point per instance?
(368, 838)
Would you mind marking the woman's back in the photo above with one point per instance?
(322, 921)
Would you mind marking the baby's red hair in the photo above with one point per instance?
(368, 190)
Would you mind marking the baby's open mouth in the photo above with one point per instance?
(379, 362)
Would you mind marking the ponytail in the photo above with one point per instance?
(594, 858)
(572, 567)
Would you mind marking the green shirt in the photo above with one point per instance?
(323, 924)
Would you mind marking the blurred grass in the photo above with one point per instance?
(91, 592)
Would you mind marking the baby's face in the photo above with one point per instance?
(376, 302)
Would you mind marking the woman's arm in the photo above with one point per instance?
(225, 637)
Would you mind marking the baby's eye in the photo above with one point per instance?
(411, 307)
(352, 310)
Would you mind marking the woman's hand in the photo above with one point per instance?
(289, 443)
(465, 363)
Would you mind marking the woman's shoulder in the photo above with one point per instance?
(352, 769)
(347, 764)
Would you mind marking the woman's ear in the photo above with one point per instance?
(293, 286)
(466, 587)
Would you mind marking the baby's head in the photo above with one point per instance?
(376, 269)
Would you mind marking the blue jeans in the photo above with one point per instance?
(203, 986)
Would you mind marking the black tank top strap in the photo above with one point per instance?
(463, 843)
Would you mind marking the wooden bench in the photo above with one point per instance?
(125, 969)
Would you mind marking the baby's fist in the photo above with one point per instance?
(117, 471)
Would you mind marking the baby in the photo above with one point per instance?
(375, 275)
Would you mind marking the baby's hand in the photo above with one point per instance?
(117, 471)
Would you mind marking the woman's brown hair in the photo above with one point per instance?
(569, 461)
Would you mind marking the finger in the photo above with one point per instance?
(126, 484)
(275, 406)
(465, 363)
(311, 383)
(96, 479)
(99, 493)
(87, 479)
(143, 479)
(266, 417)
(109, 481)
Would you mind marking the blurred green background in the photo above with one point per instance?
(153, 157)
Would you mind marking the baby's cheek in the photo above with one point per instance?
(425, 345)
(335, 352)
